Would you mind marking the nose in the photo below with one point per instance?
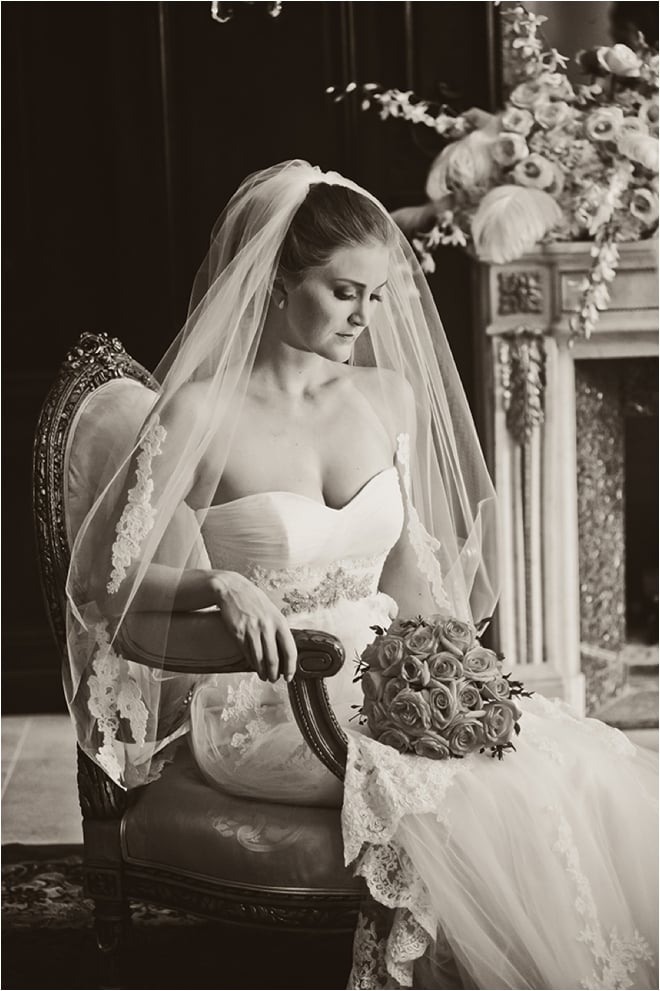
(359, 317)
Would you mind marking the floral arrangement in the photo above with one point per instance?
(431, 689)
(560, 162)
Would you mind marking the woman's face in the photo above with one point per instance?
(329, 307)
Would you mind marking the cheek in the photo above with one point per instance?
(316, 311)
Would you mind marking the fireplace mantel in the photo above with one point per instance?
(528, 421)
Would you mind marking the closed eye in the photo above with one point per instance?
(349, 296)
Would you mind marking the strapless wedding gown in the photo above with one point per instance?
(539, 871)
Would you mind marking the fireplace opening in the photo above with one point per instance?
(641, 515)
(617, 475)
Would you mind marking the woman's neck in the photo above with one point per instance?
(280, 369)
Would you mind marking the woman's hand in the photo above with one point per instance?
(257, 624)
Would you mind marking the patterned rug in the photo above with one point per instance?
(47, 892)
(48, 942)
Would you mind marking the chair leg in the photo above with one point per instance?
(112, 920)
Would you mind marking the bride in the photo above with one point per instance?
(310, 461)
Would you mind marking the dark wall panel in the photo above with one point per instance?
(127, 126)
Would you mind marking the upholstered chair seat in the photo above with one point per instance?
(181, 824)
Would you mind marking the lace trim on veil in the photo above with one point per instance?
(424, 545)
(138, 515)
(113, 695)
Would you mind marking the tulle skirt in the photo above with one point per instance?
(244, 736)
(537, 871)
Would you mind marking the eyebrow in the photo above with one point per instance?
(361, 285)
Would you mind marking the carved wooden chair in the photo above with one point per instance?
(178, 842)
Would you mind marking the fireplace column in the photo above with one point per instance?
(528, 421)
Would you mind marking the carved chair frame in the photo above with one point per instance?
(109, 880)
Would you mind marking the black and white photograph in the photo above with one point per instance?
(330, 463)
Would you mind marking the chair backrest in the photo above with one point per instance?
(99, 390)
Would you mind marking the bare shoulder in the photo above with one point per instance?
(187, 405)
(389, 392)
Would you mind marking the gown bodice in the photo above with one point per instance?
(304, 554)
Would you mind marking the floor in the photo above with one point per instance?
(39, 796)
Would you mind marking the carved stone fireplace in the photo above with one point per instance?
(555, 418)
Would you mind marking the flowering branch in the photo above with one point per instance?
(526, 52)
(595, 294)
(404, 105)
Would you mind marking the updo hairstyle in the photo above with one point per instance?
(331, 217)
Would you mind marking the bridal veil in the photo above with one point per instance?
(140, 519)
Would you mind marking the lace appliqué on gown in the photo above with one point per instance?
(137, 518)
(424, 545)
(381, 787)
(327, 587)
(616, 958)
(307, 587)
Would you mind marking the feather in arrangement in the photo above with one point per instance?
(511, 220)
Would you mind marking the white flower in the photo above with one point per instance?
(551, 113)
(644, 205)
(511, 220)
(465, 164)
(535, 171)
(520, 121)
(648, 114)
(603, 124)
(630, 124)
(640, 148)
(556, 86)
(525, 95)
(426, 262)
(619, 60)
(509, 148)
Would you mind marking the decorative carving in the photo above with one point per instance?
(95, 352)
(96, 359)
(519, 292)
(252, 906)
(99, 797)
(104, 883)
(521, 357)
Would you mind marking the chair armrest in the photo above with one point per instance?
(199, 643)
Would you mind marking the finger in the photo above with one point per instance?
(270, 655)
(288, 652)
(255, 653)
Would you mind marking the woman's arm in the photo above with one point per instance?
(119, 581)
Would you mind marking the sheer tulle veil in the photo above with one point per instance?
(141, 520)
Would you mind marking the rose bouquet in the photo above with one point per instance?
(559, 162)
(431, 689)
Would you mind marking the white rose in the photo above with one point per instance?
(603, 124)
(520, 121)
(551, 114)
(535, 171)
(644, 206)
(619, 60)
(509, 148)
(640, 148)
